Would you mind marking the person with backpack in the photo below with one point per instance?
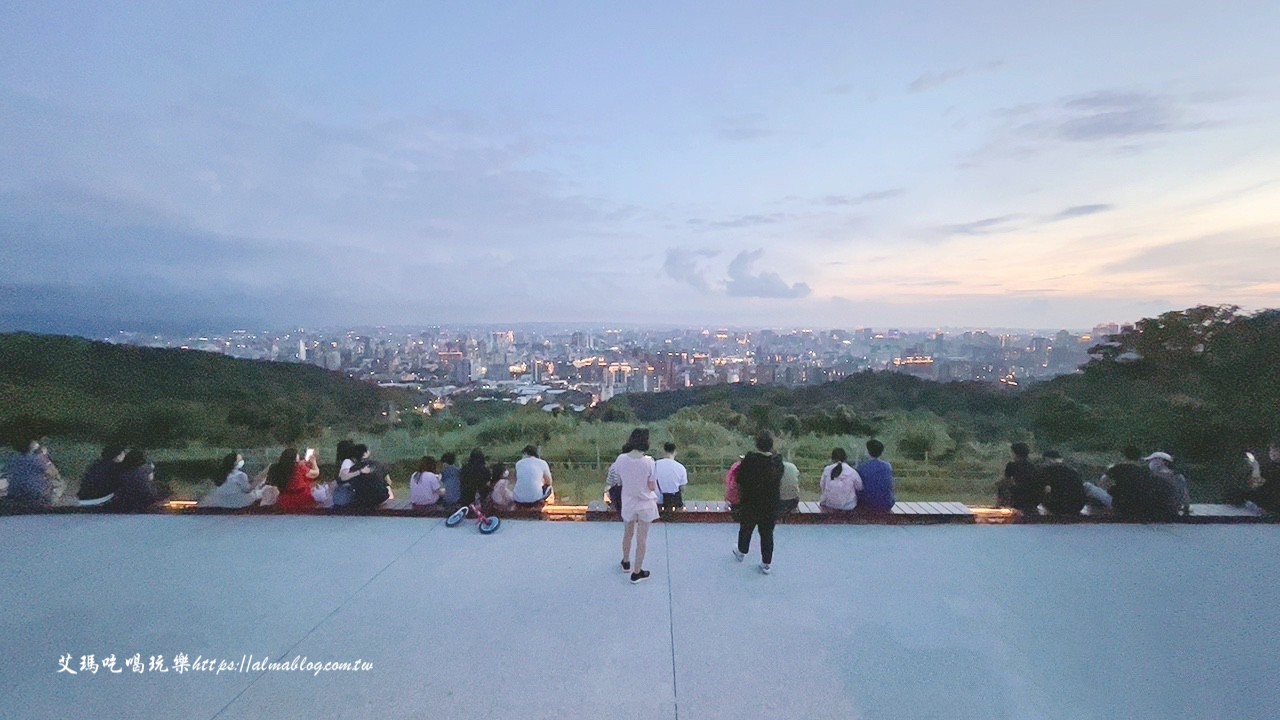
(758, 478)
(840, 484)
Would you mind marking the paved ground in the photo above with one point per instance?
(538, 622)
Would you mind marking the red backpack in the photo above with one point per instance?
(731, 494)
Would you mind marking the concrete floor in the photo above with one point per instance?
(537, 621)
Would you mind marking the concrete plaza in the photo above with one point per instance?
(537, 621)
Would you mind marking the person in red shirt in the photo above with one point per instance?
(293, 478)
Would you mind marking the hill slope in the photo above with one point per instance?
(56, 385)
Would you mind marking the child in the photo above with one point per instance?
(425, 487)
(502, 497)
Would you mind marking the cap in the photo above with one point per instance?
(1159, 456)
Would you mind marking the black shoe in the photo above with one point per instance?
(638, 576)
(626, 566)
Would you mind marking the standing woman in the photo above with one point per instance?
(635, 472)
(293, 478)
(759, 477)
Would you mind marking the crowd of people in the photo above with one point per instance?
(760, 487)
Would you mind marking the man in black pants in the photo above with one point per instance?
(759, 477)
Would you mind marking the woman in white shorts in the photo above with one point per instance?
(634, 472)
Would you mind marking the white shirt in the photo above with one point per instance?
(529, 474)
(840, 492)
(424, 488)
(636, 474)
(671, 475)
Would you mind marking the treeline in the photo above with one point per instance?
(1202, 383)
(155, 397)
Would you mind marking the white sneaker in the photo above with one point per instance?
(765, 568)
(737, 555)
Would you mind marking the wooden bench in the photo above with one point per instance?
(903, 513)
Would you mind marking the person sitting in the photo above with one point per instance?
(1174, 490)
(876, 495)
(1264, 479)
(502, 496)
(451, 479)
(789, 488)
(371, 485)
(840, 484)
(34, 482)
(137, 491)
(102, 478)
(1063, 488)
(425, 488)
(533, 479)
(292, 477)
(234, 490)
(476, 478)
(1018, 489)
(672, 477)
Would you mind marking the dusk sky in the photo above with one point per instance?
(833, 164)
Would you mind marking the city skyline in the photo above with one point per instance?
(818, 165)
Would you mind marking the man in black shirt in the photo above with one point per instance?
(1064, 490)
(1019, 489)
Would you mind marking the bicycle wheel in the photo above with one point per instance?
(458, 516)
(490, 525)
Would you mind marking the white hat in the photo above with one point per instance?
(1159, 456)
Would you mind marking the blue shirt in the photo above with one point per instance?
(451, 478)
(29, 480)
(877, 485)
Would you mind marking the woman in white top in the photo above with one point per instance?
(840, 483)
(635, 473)
(235, 490)
(425, 487)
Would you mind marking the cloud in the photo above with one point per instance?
(928, 81)
(742, 221)
(1107, 115)
(931, 80)
(985, 226)
(1232, 258)
(867, 197)
(743, 283)
(1080, 211)
(685, 266)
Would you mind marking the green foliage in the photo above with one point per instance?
(72, 387)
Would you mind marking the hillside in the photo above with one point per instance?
(71, 387)
(1203, 384)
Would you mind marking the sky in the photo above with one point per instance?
(834, 164)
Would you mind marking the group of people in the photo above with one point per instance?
(1137, 487)
(760, 487)
(120, 480)
(443, 483)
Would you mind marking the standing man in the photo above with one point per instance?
(672, 477)
(533, 478)
(877, 481)
(758, 477)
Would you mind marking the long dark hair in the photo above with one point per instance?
(839, 457)
(281, 473)
(476, 458)
(639, 440)
(226, 467)
(495, 472)
(344, 451)
(427, 464)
